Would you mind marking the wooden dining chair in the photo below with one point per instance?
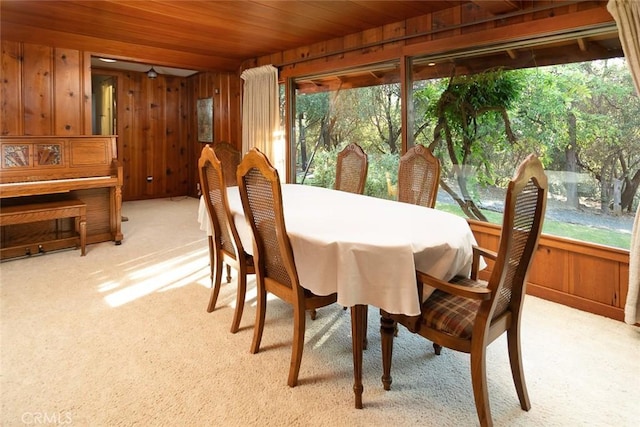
(351, 169)
(467, 314)
(418, 177)
(224, 243)
(229, 157)
(275, 265)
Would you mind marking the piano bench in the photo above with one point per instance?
(23, 214)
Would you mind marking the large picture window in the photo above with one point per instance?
(349, 108)
(481, 118)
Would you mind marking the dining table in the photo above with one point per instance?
(364, 249)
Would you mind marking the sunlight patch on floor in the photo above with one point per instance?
(332, 323)
(108, 286)
(170, 274)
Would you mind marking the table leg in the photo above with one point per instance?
(358, 313)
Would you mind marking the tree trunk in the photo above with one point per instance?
(571, 165)
(325, 135)
(303, 142)
(629, 191)
(468, 206)
(604, 190)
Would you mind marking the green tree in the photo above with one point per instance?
(472, 123)
(585, 118)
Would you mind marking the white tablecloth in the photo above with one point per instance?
(364, 248)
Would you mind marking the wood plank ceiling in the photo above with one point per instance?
(221, 35)
(206, 35)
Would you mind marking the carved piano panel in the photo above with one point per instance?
(33, 169)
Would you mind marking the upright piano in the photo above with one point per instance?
(36, 169)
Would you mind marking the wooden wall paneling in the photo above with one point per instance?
(175, 154)
(129, 135)
(184, 142)
(333, 45)
(202, 88)
(549, 268)
(418, 25)
(225, 89)
(153, 127)
(595, 279)
(582, 275)
(154, 138)
(138, 148)
(446, 18)
(189, 134)
(124, 125)
(373, 36)
(512, 20)
(221, 112)
(235, 108)
(166, 106)
(394, 31)
(624, 284)
(11, 113)
(219, 86)
(67, 92)
(306, 51)
(85, 66)
(37, 89)
(357, 40)
(193, 84)
(229, 120)
(276, 58)
(290, 55)
(472, 12)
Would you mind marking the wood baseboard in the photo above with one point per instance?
(576, 302)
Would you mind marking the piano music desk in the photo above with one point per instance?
(22, 214)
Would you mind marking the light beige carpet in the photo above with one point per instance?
(121, 337)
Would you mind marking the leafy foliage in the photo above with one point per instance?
(581, 118)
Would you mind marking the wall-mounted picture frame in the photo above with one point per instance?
(205, 120)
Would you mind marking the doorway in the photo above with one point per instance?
(104, 104)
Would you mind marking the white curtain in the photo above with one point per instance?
(627, 16)
(260, 114)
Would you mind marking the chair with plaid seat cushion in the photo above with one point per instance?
(467, 314)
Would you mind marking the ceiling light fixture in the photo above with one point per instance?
(152, 74)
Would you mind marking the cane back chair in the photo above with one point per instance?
(351, 169)
(275, 265)
(418, 177)
(467, 314)
(224, 243)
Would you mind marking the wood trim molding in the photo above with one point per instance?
(593, 18)
(588, 19)
(579, 246)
